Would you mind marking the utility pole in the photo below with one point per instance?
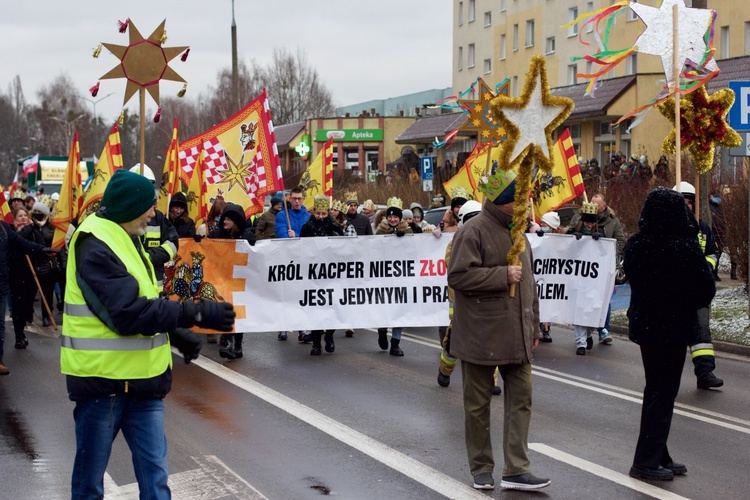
(235, 75)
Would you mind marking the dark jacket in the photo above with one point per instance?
(610, 226)
(160, 224)
(266, 227)
(669, 277)
(234, 213)
(361, 223)
(322, 227)
(12, 250)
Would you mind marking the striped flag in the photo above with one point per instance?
(67, 207)
(170, 183)
(31, 164)
(197, 197)
(563, 183)
(474, 167)
(5, 212)
(328, 168)
(109, 161)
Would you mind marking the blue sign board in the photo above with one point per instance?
(739, 113)
(426, 168)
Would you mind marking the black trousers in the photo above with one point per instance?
(663, 364)
(22, 292)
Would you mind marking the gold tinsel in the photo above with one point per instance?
(97, 50)
(520, 209)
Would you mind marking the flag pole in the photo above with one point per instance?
(676, 73)
(41, 292)
(142, 154)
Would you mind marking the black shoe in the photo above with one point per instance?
(21, 344)
(304, 337)
(223, 341)
(581, 351)
(443, 380)
(524, 482)
(281, 336)
(709, 381)
(227, 352)
(349, 333)
(589, 343)
(383, 338)
(677, 469)
(497, 390)
(238, 352)
(546, 337)
(484, 481)
(315, 351)
(330, 347)
(45, 321)
(658, 474)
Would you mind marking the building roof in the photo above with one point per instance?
(285, 133)
(429, 127)
(604, 96)
(736, 68)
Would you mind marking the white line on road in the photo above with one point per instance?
(605, 473)
(413, 469)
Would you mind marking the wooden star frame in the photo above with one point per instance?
(481, 118)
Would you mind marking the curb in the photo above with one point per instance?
(719, 345)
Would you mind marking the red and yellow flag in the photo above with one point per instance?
(70, 202)
(5, 212)
(197, 197)
(318, 177)
(109, 161)
(328, 167)
(240, 156)
(170, 182)
(564, 183)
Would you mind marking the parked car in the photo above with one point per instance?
(435, 215)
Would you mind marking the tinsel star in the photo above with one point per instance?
(703, 125)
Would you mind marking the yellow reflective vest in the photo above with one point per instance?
(89, 347)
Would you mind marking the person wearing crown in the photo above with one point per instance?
(459, 196)
(393, 223)
(360, 222)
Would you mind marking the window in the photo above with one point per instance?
(487, 66)
(503, 47)
(631, 65)
(572, 16)
(747, 38)
(631, 13)
(575, 130)
(460, 13)
(503, 5)
(590, 8)
(589, 67)
(471, 56)
(515, 37)
(530, 33)
(724, 50)
(549, 45)
(472, 11)
(460, 65)
(515, 86)
(487, 19)
(572, 71)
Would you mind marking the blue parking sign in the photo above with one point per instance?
(426, 168)
(739, 113)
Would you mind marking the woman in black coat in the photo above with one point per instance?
(669, 280)
(178, 216)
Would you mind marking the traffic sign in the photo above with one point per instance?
(739, 113)
(426, 168)
(427, 185)
(744, 148)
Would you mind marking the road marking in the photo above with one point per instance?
(413, 469)
(605, 473)
(212, 479)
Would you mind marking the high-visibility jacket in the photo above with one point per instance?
(89, 347)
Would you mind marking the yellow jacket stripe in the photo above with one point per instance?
(89, 347)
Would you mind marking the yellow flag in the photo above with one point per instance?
(170, 183)
(109, 161)
(66, 209)
(474, 168)
(197, 196)
(564, 183)
(312, 180)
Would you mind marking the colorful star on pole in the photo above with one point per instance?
(480, 115)
(703, 124)
(692, 25)
(144, 62)
(531, 118)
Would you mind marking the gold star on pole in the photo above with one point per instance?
(480, 115)
(144, 62)
(236, 173)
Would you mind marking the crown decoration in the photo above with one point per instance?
(321, 202)
(350, 196)
(369, 204)
(395, 202)
(338, 205)
(18, 194)
(46, 199)
(589, 208)
(493, 185)
(460, 192)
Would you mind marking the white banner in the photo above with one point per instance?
(343, 282)
(574, 278)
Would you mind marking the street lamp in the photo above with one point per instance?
(69, 123)
(93, 104)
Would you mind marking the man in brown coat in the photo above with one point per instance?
(266, 228)
(490, 330)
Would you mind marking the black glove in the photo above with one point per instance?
(208, 314)
(187, 342)
(578, 235)
(198, 238)
(50, 250)
(540, 233)
(400, 233)
(596, 236)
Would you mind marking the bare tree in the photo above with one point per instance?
(16, 130)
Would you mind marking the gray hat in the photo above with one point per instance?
(407, 214)
(41, 207)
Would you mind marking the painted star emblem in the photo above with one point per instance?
(480, 115)
(144, 62)
(657, 38)
(237, 172)
(531, 118)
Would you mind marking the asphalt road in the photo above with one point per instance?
(361, 424)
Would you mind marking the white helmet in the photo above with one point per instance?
(147, 172)
(685, 188)
(471, 207)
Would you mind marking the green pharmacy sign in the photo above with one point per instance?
(350, 135)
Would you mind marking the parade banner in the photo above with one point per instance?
(574, 278)
(318, 283)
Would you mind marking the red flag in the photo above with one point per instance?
(170, 183)
(328, 167)
(30, 164)
(14, 184)
(5, 212)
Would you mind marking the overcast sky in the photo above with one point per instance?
(362, 50)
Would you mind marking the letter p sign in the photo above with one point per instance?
(739, 114)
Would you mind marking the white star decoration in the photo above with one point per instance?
(531, 120)
(657, 38)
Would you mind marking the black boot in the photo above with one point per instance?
(708, 380)
(395, 349)
(315, 337)
(238, 345)
(383, 338)
(227, 352)
(330, 347)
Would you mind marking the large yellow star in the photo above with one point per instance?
(531, 118)
(144, 62)
(703, 125)
(236, 173)
(480, 115)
